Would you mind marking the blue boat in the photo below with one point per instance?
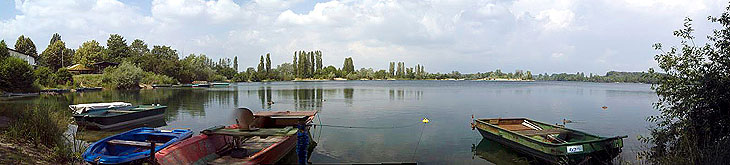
(132, 146)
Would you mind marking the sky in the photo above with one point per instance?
(542, 36)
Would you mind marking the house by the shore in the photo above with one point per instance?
(31, 59)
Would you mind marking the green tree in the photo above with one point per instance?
(268, 63)
(319, 61)
(4, 50)
(314, 64)
(117, 48)
(295, 65)
(138, 48)
(391, 69)
(44, 76)
(89, 53)
(54, 38)
(26, 46)
(16, 75)
(261, 68)
(57, 55)
(124, 76)
(348, 67)
(63, 76)
(693, 126)
(235, 63)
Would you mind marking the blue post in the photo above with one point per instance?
(302, 144)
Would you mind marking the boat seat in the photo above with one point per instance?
(514, 127)
(133, 143)
(540, 132)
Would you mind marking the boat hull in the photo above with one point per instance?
(204, 149)
(106, 152)
(118, 121)
(597, 150)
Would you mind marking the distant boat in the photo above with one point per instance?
(86, 89)
(114, 115)
(201, 85)
(219, 84)
(269, 143)
(548, 142)
(133, 146)
(161, 85)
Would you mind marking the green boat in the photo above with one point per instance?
(552, 143)
(218, 84)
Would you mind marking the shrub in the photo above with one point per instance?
(124, 76)
(44, 76)
(63, 76)
(217, 77)
(351, 76)
(88, 80)
(152, 78)
(240, 77)
(16, 75)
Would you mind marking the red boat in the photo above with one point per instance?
(272, 137)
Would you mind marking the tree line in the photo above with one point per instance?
(611, 76)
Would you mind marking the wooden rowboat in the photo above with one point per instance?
(552, 143)
(275, 137)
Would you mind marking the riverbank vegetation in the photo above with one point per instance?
(693, 126)
(32, 145)
(611, 76)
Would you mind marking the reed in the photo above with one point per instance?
(44, 126)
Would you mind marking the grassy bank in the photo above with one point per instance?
(36, 134)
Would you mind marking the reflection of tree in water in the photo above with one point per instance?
(401, 94)
(303, 99)
(348, 93)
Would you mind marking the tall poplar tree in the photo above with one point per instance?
(260, 68)
(235, 63)
(319, 61)
(295, 65)
(313, 62)
(391, 70)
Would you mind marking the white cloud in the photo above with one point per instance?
(444, 35)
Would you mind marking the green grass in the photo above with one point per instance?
(43, 126)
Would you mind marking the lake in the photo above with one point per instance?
(393, 110)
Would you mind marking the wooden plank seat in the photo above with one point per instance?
(533, 132)
(133, 143)
(514, 127)
(242, 133)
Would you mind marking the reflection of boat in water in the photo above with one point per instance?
(548, 142)
(497, 153)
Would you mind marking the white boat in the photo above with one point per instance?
(81, 108)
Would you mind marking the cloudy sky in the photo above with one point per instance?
(543, 36)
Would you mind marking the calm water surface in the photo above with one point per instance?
(447, 139)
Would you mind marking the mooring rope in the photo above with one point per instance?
(419, 142)
(366, 127)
